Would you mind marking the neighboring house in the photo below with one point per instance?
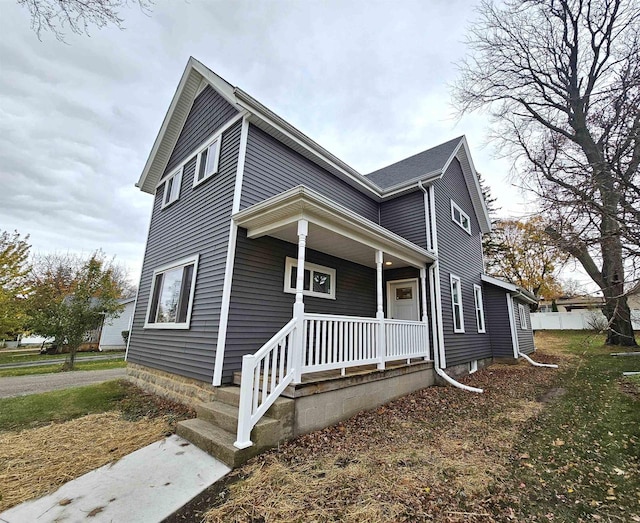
(112, 329)
(268, 255)
(572, 303)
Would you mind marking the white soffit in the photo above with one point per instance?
(275, 217)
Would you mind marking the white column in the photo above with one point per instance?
(380, 311)
(425, 319)
(298, 306)
(423, 288)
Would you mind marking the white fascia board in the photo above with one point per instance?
(499, 283)
(176, 116)
(303, 203)
(473, 185)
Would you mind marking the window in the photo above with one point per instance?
(460, 217)
(319, 281)
(207, 163)
(477, 294)
(171, 296)
(172, 188)
(456, 304)
(473, 366)
(522, 312)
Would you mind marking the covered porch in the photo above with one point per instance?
(313, 343)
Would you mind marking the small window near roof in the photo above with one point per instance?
(171, 295)
(460, 217)
(207, 163)
(172, 188)
(319, 281)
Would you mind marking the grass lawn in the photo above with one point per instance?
(49, 439)
(62, 405)
(23, 358)
(538, 445)
(57, 367)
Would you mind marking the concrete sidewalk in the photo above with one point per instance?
(143, 487)
(22, 385)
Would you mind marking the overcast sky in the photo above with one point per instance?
(367, 80)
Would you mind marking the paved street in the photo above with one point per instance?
(23, 385)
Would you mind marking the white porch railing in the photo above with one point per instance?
(271, 366)
(406, 340)
(329, 342)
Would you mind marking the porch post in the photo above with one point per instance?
(380, 312)
(298, 306)
(425, 319)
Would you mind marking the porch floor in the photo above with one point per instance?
(324, 381)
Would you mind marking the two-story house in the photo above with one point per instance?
(272, 264)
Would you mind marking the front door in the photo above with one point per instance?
(402, 300)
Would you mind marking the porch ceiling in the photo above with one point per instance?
(333, 229)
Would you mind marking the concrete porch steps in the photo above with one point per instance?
(214, 430)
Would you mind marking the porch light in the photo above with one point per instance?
(388, 263)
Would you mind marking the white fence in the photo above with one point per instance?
(576, 320)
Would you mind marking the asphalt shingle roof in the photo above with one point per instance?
(417, 165)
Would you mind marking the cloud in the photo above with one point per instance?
(367, 80)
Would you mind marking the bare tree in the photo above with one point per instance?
(561, 79)
(77, 15)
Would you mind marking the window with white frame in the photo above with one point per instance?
(207, 162)
(171, 297)
(456, 304)
(172, 187)
(460, 217)
(319, 281)
(477, 294)
(522, 312)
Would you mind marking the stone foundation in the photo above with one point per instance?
(458, 371)
(172, 386)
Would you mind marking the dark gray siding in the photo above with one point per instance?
(271, 168)
(525, 337)
(209, 112)
(496, 314)
(461, 255)
(198, 223)
(405, 216)
(259, 306)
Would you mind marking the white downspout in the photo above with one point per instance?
(438, 336)
(434, 291)
(535, 363)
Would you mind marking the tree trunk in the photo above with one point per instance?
(71, 358)
(618, 314)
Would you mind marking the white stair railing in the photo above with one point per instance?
(265, 375)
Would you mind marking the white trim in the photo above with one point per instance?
(176, 176)
(288, 207)
(406, 280)
(477, 293)
(473, 366)
(216, 161)
(312, 267)
(512, 324)
(522, 313)
(499, 283)
(452, 278)
(205, 143)
(442, 357)
(455, 207)
(194, 259)
(230, 260)
(432, 212)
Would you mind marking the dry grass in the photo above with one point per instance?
(34, 462)
(432, 456)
